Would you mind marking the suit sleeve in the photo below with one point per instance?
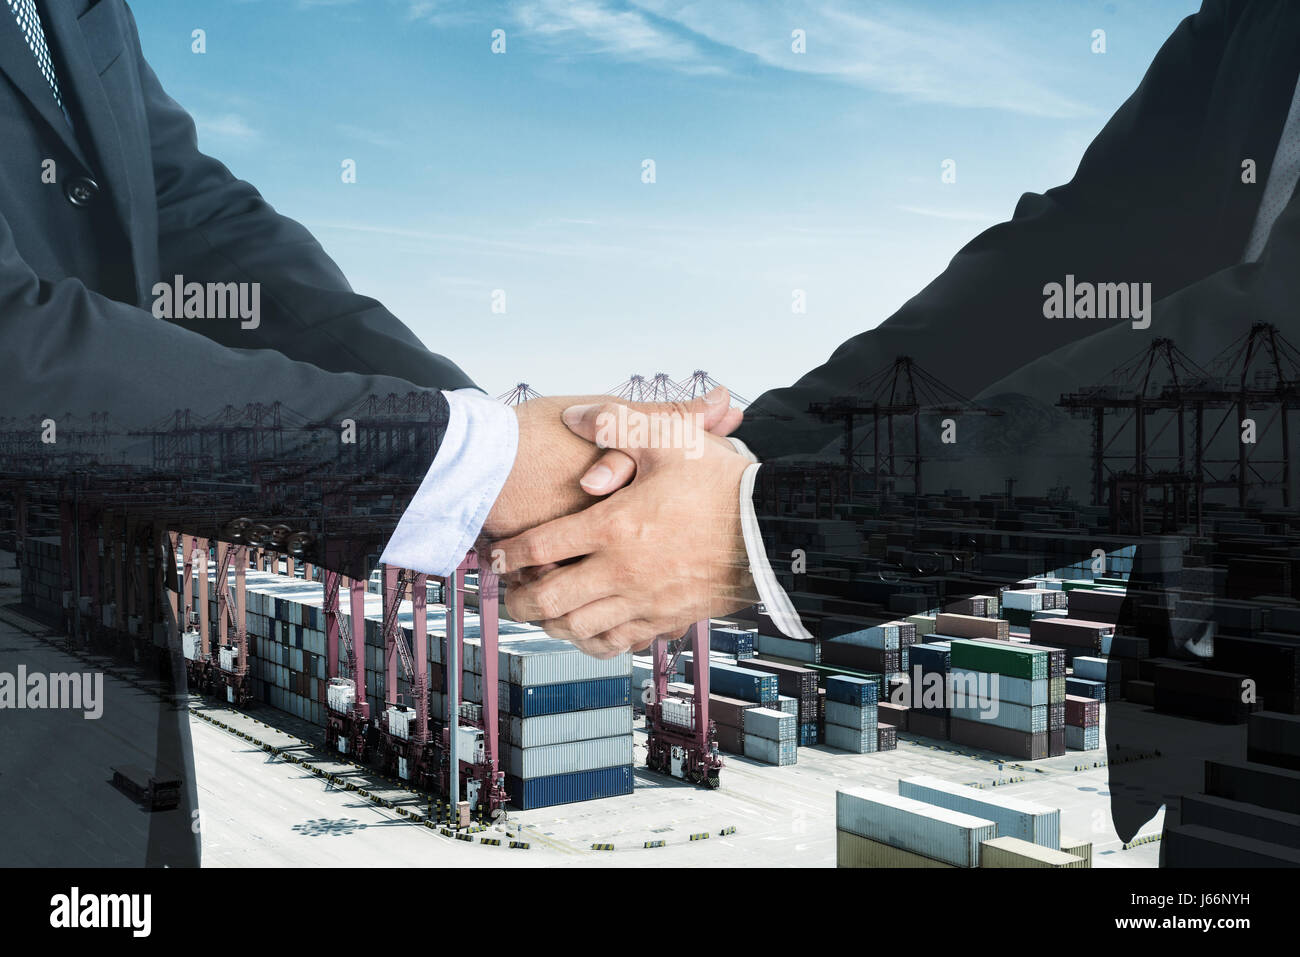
(71, 354)
(216, 228)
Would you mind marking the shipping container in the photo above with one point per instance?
(729, 711)
(527, 795)
(892, 714)
(886, 737)
(1022, 691)
(969, 626)
(1097, 669)
(1237, 817)
(736, 682)
(999, 740)
(771, 724)
(1273, 738)
(552, 759)
(1082, 712)
(851, 716)
(1191, 845)
(1276, 788)
(1081, 738)
(1083, 688)
(853, 850)
(928, 724)
(852, 691)
(1005, 715)
(1000, 658)
(933, 832)
(1013, 816)
(567, 726)
(731, 740)
(856, 740)
(781, 753)
(574, 696)
(1003, 852)
(1082, 849)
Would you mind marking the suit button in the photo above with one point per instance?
(81, 190)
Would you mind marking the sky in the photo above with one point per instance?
(522, 171)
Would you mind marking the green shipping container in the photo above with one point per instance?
(999, 658)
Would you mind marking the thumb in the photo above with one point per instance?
(712, 410)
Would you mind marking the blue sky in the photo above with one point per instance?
(775, 171)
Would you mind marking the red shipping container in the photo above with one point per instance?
(1082, 712)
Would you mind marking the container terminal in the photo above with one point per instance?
(410, 722)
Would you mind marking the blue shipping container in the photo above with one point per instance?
(569, 788)
(538, 700)
(808, 735)
(1085, 688)
(732, 641)
(732, 681)
(858, 692)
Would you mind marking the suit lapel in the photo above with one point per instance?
(18, 63)
(84, 92)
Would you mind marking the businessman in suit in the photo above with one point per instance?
(106, 203)
(1164, 195)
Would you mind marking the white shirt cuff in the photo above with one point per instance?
(468, 472)
(775, 601)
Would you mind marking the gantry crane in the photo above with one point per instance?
(683, 749)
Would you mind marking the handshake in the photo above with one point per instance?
(620, 522)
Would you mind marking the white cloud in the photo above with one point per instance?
(959, 215)
(227, 128)
(584, 27)
(893, 49)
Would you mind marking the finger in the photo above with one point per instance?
(643, 435)
(729, 422)
(563, 591)
(710, 408)
(611, 472)
(629, 636)
(592, 619)
(570, 536)
(526, 575)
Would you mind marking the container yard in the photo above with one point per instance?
(574, 745)
(969, 708)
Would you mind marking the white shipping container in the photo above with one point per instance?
(787, 704)
(341, 695)
(851, 716)
(537, 659)
(1097, 669)
(771, 724)
(400, 722)
(567, 727)
(679, 712)
(567, 758)
(780, 753)
(968, 684)
(851, 739)
(190, 642)
(1015, 818)
(1004, 714)
(938, 833)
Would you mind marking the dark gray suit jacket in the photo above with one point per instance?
(133, 203)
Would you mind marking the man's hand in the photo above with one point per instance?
(544, 482)
(656, 556)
